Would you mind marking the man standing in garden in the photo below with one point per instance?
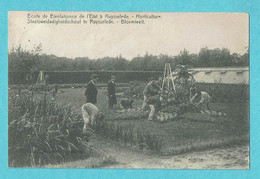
(91, 90)
(111, 88)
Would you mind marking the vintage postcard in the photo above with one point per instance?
(128, 90)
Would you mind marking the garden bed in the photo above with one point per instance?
(183, 131)
(184, 134)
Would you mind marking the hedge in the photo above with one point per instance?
(225, 92)
(218, 92)
(83, 77)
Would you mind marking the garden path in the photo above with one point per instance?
(224, 158)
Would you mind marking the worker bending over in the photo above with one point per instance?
(90, 114)
(151, 90)
(203, 98)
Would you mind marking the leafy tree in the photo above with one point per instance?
(204, 57)
(24, 60)
(34, 60)
(184, 57)
(226, 57)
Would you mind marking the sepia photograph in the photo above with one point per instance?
(132, 90)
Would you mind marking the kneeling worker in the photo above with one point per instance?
(203, 97)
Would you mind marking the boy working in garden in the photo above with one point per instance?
(150, 91)
(203, 97)
(151, 97)
(90, 114)
(154, 104)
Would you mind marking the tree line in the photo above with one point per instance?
(20, 59)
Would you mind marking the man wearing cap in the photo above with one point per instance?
(111, 88)
(91, 90)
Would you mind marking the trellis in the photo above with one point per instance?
(168, 78)
(40, 79)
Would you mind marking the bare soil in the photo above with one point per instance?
(119, 156)
(236, 157)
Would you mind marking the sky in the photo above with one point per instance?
(166, 35)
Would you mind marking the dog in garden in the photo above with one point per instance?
(90, 114)
(127, 103)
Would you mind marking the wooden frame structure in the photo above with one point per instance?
(168, 76)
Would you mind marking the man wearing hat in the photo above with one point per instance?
(111, 88)
(91, 90)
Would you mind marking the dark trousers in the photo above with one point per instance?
(111, 102)
(110, 105)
